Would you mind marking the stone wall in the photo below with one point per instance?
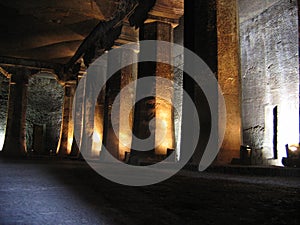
(45, 100)
(270, 79)
(4, 91)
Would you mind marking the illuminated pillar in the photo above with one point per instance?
(156, 107)
(162, 19)
(15, 143)
(118, 146)
(164, 108)
(98, 123)
(67, 126)
(229, 76)
(78, 122)
(113, 85)
(128, 75)
(92, 112)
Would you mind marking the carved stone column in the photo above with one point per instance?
(78, 122)
(162, 20)
(156, 108)
(164, 108)
(67, 126)
(114, 85)
(128, 75)
(201, 38)
(92, 112)
(229, 76)
(15, 143)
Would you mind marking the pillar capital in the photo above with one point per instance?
(69, 83)
(18, 75)
(167, 11)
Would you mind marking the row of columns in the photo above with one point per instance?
(138, 121)
(97, 124)
(15, 135)
(99, 128)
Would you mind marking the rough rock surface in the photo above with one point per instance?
(270, 77)
(45, 99)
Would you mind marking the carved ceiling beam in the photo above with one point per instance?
(105, 34)
(168, 11)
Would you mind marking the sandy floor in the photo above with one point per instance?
(59, 192)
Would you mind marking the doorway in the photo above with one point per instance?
(39, 137)
(275, 132)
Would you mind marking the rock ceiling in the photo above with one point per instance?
(52, 30)
(48, 30)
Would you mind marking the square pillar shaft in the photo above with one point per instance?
(229, 76)
(67, 126)
(118, 141)
(15, 143)
(162, 110)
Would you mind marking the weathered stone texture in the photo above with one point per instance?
(229, 76)
(250, 9)
(270, 77)
(45, 99)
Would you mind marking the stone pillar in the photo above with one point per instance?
(119, 145)
(167, 13)
(128, 75)
(78, 122)
(98, 122)
(113, 85)
(67, 126)
(200, 37)
(156, 107)
(164, 108)
(92, 112)
(229, 76)
(15, 143)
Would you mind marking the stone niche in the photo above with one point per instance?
(44, 114)
(4, 91)
(270, 77)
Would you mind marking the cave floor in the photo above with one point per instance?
(70, 192)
